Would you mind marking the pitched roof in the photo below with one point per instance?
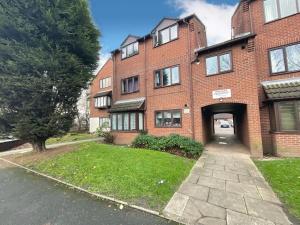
(128, 105)
(282, 89)
(224, 44)
(131, 38)
(104, 93)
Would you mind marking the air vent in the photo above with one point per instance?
(250, 46)
(246, 6)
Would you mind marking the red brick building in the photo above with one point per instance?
(170, 81)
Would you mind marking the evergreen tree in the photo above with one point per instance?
(48, 52)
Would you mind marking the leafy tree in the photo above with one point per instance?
(48, 51)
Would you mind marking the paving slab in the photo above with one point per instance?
(211, 221)
(243, 189)
(235, 218)
(227, 200)
(176, 205)
(268, 195)
(225, 175)
(212, 182)
(195, 191)
(266, 210)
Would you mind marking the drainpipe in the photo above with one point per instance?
(145, 77)
(190, 85)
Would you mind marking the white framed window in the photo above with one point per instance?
(127, 121)
(105, 82)
(102, 102)
(130, 50)
(276, 9)
(104, 122)
(166, 35)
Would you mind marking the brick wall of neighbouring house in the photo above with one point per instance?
(287, 145)
(95, 113)
(243, 84)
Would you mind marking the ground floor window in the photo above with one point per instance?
(287, 115)
(104, 122)
(168, 118)
(127, 121)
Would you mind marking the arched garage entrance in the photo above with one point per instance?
(213, 117)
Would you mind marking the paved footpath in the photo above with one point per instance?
(226, 188)
(27, 199)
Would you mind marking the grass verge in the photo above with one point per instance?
(284, 177)
(142, 177)
(69, 137)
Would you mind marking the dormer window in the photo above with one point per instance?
(166, 35)
(130, 50)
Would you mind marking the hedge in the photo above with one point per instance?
(174, 142)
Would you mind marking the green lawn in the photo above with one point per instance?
(70, 137)
(284, 177)
(128, 174)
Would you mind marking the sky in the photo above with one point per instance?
(117, 18)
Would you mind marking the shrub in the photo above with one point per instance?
(104, 131)
(108, 138)
(174, 142)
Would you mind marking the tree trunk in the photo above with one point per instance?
(39, 145)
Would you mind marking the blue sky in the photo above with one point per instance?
(117, 19)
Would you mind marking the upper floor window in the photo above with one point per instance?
(170, 118)
(130, 85)
(166, 35)
(276, 9)
(106, 82)
(218, 64)
(288, 115)
(130, 50)
(166, 77)
(285, 59)
(102, 102)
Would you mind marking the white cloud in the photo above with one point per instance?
(102, 60)
(216, 17)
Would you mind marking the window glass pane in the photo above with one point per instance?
(126, 121)
(159, 119)
(130, 50)
(136, 84)
(175, 75)
(114, 121)
(225, 62)
(212, 65)
(287, 7)
(287, 114)
(109, 81)
(167, 119)
(293, 57)
(101, 86)
(164, 36)
(166, 77)
(130, 85)
(132, 121)
(136, 47)
(124, 86)
(176, 119)
(120, 122)
(141, 121)
(157, 79)
(271, 12)
(174, 32)
(277, 61)
(123, 53)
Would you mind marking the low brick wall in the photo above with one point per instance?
(124, 138)
(4, 146)
(287, 145)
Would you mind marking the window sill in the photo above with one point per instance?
(169, 127)
(275, 20)
(127, 131)
(284, 73)
(128, 93)
(229, 71)
(172, 85)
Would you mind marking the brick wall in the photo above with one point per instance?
(287, 145)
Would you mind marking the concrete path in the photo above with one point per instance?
(25, 150)
(27, 199)
(226, 188)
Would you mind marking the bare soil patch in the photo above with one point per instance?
(32, 157)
